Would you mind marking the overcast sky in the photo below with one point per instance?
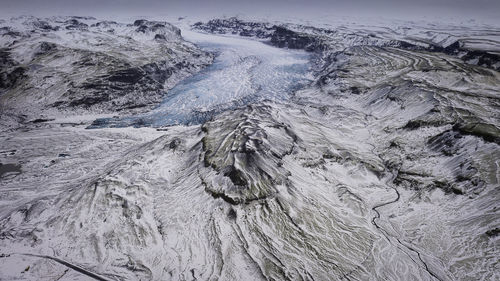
(473, 9)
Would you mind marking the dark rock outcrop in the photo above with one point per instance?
(285, 38)
(241, 158)
(10, 70)
(146, 80)
(160, 29)
(45, 48)
(44, 25)
(482, 58)
(485, 131)
(74, 24)
(128, 76)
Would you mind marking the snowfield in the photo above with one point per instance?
(307, 151)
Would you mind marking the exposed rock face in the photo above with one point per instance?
(10, 70)
(145, 80)
(163, 30)
(478, 57)
(286, 38)
(75, 24)
(246, 165)
(482, 58)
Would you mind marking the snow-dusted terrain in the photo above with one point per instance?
(339, 151)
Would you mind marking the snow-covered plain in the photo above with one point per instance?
(385, 167)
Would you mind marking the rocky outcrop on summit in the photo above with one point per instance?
(161, 30)
(243, 162)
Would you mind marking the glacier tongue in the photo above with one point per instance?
(244, 71)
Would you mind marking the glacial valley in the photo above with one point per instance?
(239, 149)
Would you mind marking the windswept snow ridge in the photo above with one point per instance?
(382, 165)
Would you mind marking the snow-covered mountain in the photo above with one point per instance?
(79, 65)
(384, 166)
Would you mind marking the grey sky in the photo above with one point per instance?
(478, 9)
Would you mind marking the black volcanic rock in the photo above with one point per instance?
(242, 154)
(74, 24)
(285, 38)
(10, 79)
(404, 45)
(140, 22)
(160, 37)
(147, 80)
(483, 58)
(5, 59)
(160, 72)
(158, 27)
(129, 76)
(90, 100)
(105, 24)
(142, 29)
(488, 132)
(44, 25)
(45, 48)
(7, 31)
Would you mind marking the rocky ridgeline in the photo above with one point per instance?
(241, 158)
